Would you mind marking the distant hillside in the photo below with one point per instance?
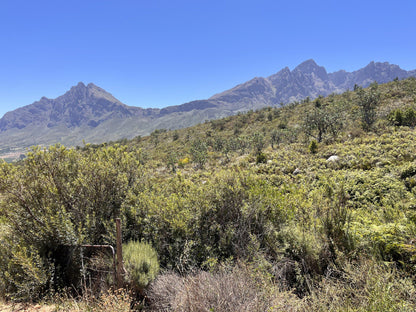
(90, 113)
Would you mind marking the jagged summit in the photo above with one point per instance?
(306, 66)
(310, 67)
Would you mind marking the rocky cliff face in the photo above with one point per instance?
(307, 79)
(91, 113)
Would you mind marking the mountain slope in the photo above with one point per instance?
(87, 112)
(81, 105)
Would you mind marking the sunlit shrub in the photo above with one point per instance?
(182, 162)
(261, 158)
(399, 117)
(363, 286)
(141, 263)
(408, 171)
(26, 274)
(313, 147)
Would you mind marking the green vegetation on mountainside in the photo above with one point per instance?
(253, 198)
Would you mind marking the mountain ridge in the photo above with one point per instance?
(90, 112)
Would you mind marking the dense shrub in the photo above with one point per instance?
(398, 117)
(141, 263)
(60, 197)
(261, 158)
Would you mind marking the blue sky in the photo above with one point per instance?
(158, 53)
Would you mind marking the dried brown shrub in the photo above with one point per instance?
(239, 289)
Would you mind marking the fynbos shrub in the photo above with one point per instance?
(141, 263)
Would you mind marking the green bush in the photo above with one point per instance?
(24, 274)
(410, 117)
(59, 197)
(261, 158)
(141, 263)
(399, 117)
(368, 100)
(408, 171)
(313, 147)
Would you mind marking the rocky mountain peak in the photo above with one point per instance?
(87, 94)
(380, 72)
(80, 87)
(75, 93)
(307, 66)
(310, 67)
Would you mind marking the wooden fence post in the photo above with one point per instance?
(120, 269)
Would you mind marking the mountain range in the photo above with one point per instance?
(89, 113)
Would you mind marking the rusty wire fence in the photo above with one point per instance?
(98, 268)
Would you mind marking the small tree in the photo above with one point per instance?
(321, 120)
(257, 142)
(275, 137)
(199, 151)
(409, 117)
(171, 162)
(368, 101)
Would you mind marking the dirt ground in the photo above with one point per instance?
(25, 308)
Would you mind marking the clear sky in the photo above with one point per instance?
(157, 53)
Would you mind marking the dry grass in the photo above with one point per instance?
(110, 301)
(5, 307)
